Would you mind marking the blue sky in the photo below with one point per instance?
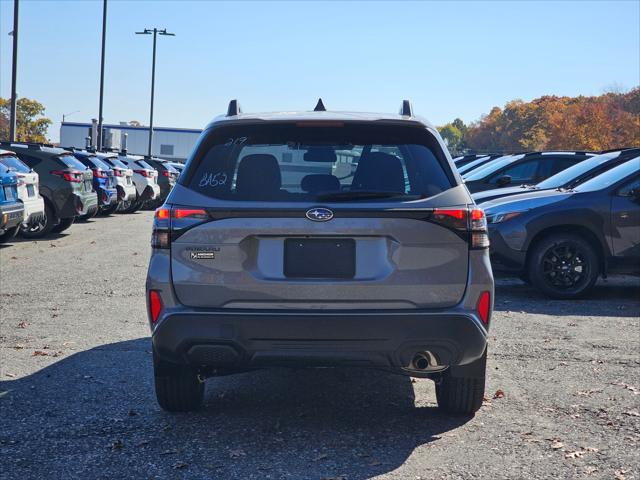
(452, 59)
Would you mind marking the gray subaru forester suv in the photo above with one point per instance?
(319, 239)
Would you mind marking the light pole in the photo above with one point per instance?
(14, 74)
(155, 32)
(65, 115)
(104, 35)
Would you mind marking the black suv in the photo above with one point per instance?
(66, 186)
(529, 168)
(562, 240)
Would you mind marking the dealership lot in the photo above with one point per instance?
(76, 394)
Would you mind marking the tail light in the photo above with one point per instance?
(484, 307)
(70, 176)
(144, 173)
(471, 222)
(155, 305)
(118, 173)
(170, 223)
(99, 173)
(166, 173)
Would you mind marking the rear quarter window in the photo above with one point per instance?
(288, 162)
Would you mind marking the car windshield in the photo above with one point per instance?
(72, 162)
(288, 162)
(579, 169)
(11, 162)
(492, 166)
(143, 164)
(610, 177)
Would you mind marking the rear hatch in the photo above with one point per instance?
(27, 178)
(345, 217)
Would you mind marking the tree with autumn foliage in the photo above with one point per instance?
(595, 123)
(31, 125)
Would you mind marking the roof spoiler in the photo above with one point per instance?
(234, 108)
(406, 109)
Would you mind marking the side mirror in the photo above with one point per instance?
(504, 180)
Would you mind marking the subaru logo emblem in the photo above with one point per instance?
(319, 214)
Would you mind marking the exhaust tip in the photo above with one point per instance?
(424, 361)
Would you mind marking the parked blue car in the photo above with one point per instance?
(103, 182)
(11, 209)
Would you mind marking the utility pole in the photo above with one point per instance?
(104, 37)
(155, 32)
(14, 75)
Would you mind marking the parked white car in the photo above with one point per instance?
(145, 179)
(28, 192)
(123, 176)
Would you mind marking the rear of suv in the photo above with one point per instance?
(320, 239)
(66, 186)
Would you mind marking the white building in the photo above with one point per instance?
(169, 143)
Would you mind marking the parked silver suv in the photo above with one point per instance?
(320, 239)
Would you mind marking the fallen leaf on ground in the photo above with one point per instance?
(556, 445)
(18, 346)
(10, 375)
(22, 325)
(39, 353)
(590, 470)
(576, 454)
(620, 474)
(499, 394)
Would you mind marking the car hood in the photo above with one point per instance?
(487, 195)
(525, 201)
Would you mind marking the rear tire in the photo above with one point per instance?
(178, 387)
(564, 266)
(109, 210)
(9, 234)
(63, 224)
(461, 391)
(44, 227)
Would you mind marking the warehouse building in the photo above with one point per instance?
(169, 143)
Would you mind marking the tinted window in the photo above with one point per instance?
(143, 164)
(610, 177)
(114, 162)
(577, 170)
(14, 164)
(100, 164)
(519, 173)
(493, 166)
(625, 191)
(560, 164)
(284, 162)
(169, 167)
(72, 162)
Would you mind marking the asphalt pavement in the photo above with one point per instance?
(77, 400)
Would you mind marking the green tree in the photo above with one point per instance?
(31, 125)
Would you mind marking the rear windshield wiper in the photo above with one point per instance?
(359, 195)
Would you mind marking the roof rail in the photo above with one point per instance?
(234, 108)
(320, 106)
(406, 109)
(32, 145)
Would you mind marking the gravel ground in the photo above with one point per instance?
(77, 401)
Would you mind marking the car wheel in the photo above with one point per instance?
(43, 226)
(178, 387)
(9, 234)
(564, 266)
(461, 390)
(63, 224)
(109, 210)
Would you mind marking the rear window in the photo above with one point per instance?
(14, 164)
(114, 162)
(610, 177)
(72, 162)
(285, 162)
(143, 164)
(100, 164)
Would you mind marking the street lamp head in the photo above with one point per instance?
(146, 31)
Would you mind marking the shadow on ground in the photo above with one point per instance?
(94, 415)
(622, 295)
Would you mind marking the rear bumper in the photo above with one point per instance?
(86, 203)
(126, 192)
(246, 339)
(33, 209)
(107, 196)
(151, 192)
(11, 215)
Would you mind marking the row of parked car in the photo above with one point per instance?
(44, 189)
(559, 220)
